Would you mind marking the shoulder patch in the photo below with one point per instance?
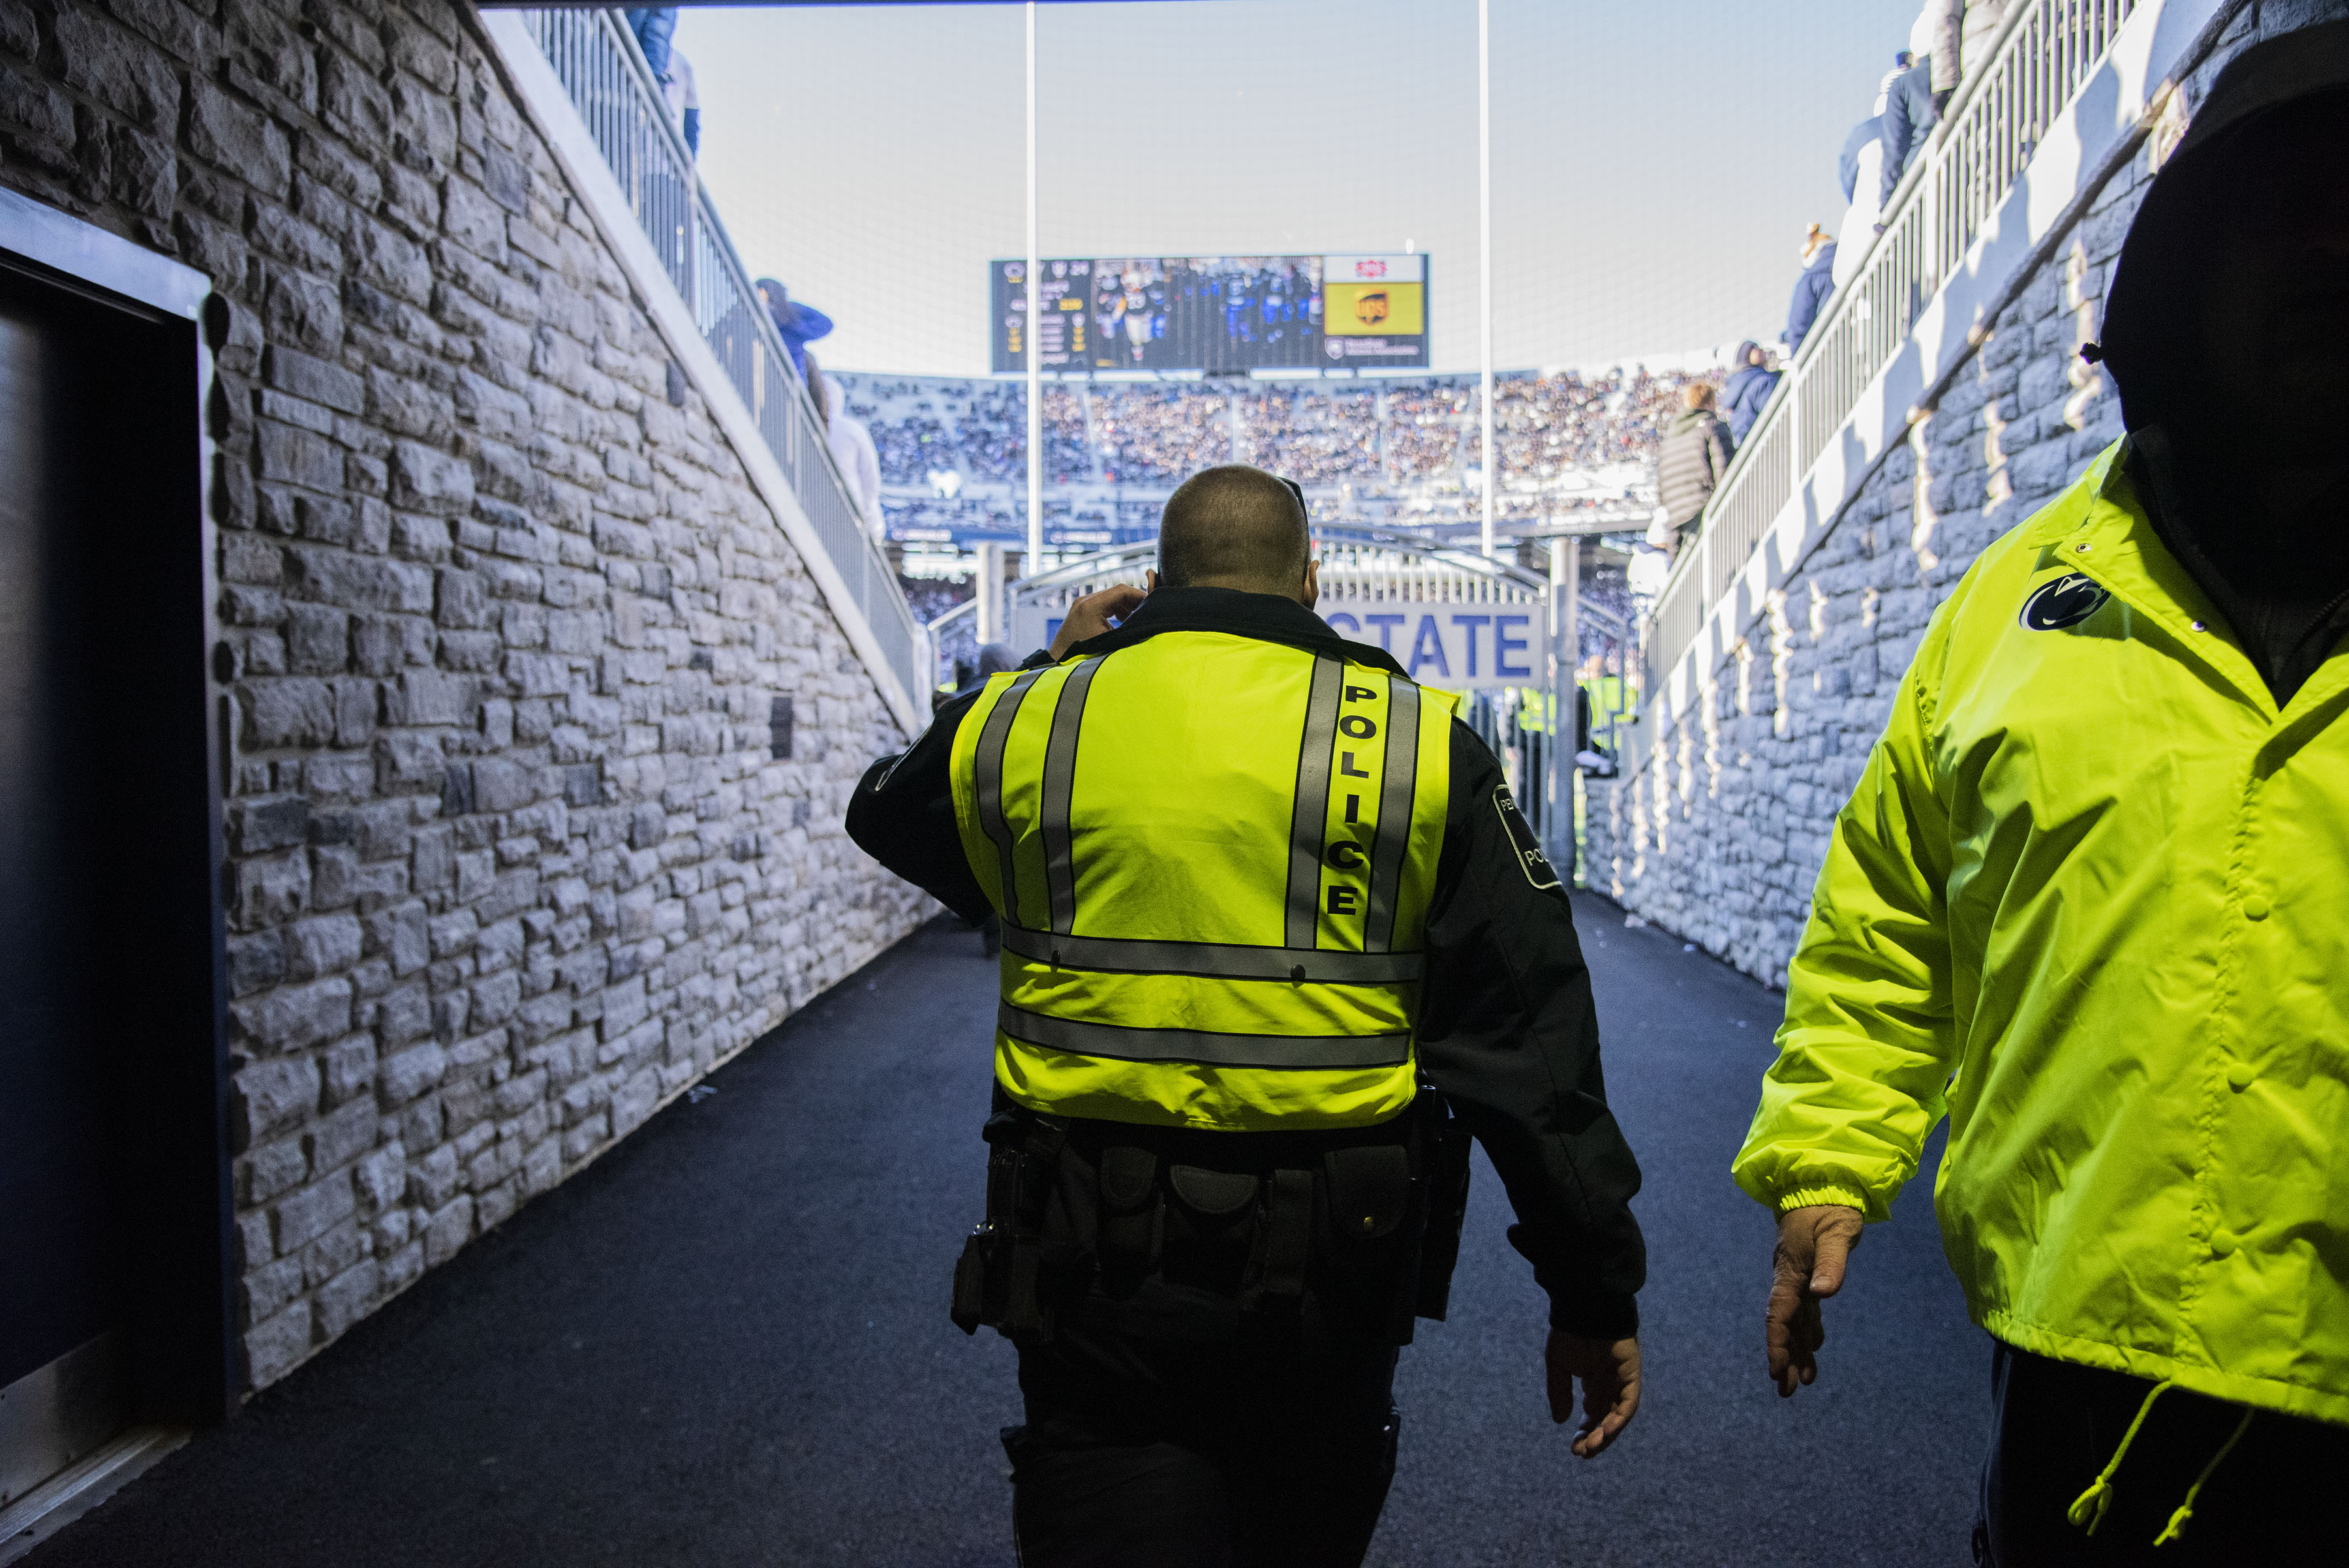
(1530, 858)
(2066, 602)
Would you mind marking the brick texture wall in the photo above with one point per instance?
(507, 637)
(1720, 837)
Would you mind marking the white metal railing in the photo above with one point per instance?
(2046, 52)
(595, 58)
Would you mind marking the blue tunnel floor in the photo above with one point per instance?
(726, 1343)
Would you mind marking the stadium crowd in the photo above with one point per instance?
(1393, 436)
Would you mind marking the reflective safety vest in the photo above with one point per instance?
(1213, 857)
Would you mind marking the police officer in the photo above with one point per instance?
(1276, 942)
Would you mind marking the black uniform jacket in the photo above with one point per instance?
(1506, 1030)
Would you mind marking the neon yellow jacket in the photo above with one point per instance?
(2092, 872)
(1213, 856)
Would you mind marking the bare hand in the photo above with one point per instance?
(1814, 1246)
(1609, 1370)
(1090, 616)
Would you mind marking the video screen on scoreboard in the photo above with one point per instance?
(1214, 312)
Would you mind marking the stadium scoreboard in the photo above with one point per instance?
(1213, 313)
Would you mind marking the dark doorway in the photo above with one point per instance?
(113, 1197)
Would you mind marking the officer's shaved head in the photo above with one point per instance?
(1233, 527)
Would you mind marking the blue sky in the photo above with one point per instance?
(1653, 166)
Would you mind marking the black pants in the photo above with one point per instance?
(2273, 1502)
(1271, 1450)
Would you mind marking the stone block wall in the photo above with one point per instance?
(541, 733)
(1719, 834)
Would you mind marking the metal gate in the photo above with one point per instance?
(1452, 618)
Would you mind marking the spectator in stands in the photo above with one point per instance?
(654, 27)
(798, 325)
(1865, 137)
(1954, 37)
(1978, 30)
(851, 448)
(1909, 113)
(1812, 288)
(1934, 38)
(818, 394)
(1868, 130)
(1861, 168)
(1913, 101)
(1913, 104)
(1690, 462)
(2085, 899)
(684, 101)
(1748, 391)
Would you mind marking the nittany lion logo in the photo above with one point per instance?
(2067, 601)
(1371, 308)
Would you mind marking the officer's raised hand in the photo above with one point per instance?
(1609, 1370)
(1090, 616)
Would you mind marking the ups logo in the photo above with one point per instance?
(1370, 308)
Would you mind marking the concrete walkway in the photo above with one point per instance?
(727, 1343)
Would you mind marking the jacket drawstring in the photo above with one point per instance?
(2176, 1525)
(2088, 1510)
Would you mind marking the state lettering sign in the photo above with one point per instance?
(1457, 647)
(1454, 647)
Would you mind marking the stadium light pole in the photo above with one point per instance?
(1484, 262)
(1035, 341)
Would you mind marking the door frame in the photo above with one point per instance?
(185, 1346)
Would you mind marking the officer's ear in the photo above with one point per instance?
(1150, 582)
(1311, 593)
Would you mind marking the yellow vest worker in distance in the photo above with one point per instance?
(2091, 897)
(1275, 943)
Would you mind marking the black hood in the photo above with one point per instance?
(2157, 279)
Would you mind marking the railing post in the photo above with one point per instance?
(987, 588)
(1565, 709)
(1712, 590)
(693, 248)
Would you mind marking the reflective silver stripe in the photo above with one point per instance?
(987, 769)
(1307, 827)
(1059, 778)
(1266, 1050)
(1214, 961)
(1394, 814)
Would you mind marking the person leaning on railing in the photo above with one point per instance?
(1690, 461)
(1748, 391)
(1953, 39)
(1812, 288)
(2088, 897)
(654, 27)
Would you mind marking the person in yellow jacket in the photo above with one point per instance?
(2090, 897)
(1276, 942)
